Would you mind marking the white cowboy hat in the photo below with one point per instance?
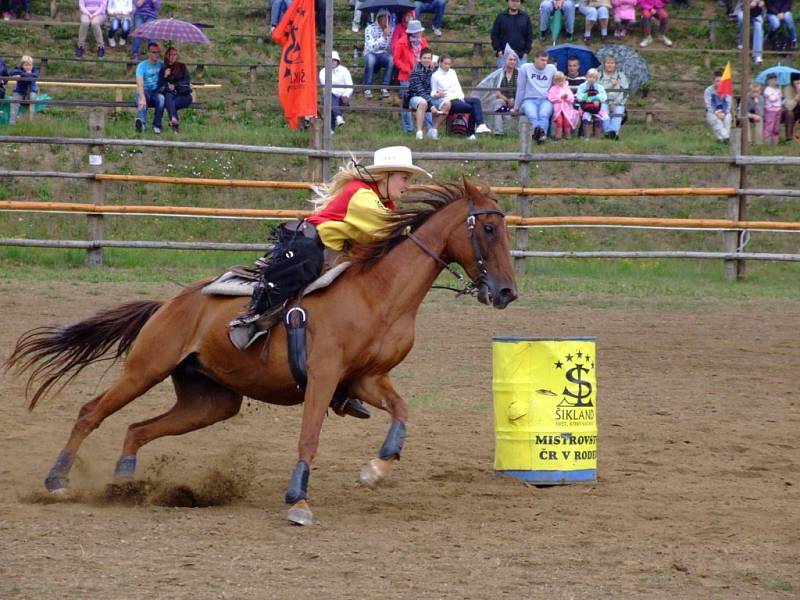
(414, 26)
(335, 56)
(395, 158)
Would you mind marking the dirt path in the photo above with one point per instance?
(697, 496)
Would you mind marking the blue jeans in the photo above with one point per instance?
(614, 122)
(336, 102)
(757, 25)
(775, 23)
(154, 100)
(277, 10)
(405, 117)
(173, 103)
(374, 62)
(121, 25)
(538, 111)
(137, 42)
(546, 11)
(433, 6)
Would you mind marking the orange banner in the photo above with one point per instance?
(297, 71)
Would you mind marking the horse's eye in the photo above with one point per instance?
(488, 229)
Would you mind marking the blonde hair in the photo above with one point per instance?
(26, 60)
(559, 77)
(593, 73)
(348, 172)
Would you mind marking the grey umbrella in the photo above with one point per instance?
(629, 62)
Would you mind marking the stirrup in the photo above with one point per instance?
(352, 407)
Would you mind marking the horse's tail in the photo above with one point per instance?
(55, 352)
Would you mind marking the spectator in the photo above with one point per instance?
(512, 27)
(25, 88)
(5, 6)
(651, 9)
(755, 112)
(400, 27)
(791, 106)
(756, 24)
(11, 9)
(174, 87)
(780, 11)
(533, 83)
(93, 13)
(446, 87)
(574, 77)
(377, 52)
(593, 11)
(146, 10)
(120, 13)
(356, 25)
(340, 96)
(277, 9)
(405, 54)
(432, 6)
(546, 10)
(624, 16)
(499, 101)
(565, 117)
(773, 105)
(147, 75)
(419, 90)
(616, 86)
(3, 81)
(592, 97)
(718, 110)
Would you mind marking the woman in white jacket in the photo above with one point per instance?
(446, 87)
(340, 96)
(120, 15)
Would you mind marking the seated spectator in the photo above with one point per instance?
(624, 16)
(513, 28)
(377, 52)
(593, 11)
(174, 87)
(340, 96)
(499, 102)
(780, 11)
(791, 107)
(654, 9)
(145, 10)
(546, 10)
(3, 81)
(147, 75)
(25, 88)
(432, 6)
(419, 89)
(773, 105)
(12, 8)
(565, 117)
(405, 55)
(93, 13)
(400, 28)
(533, 83)
(446, 87)
(756, 25)
(592, 97)
(718, 109)
(616, 86)
(574, 76)
(277, 9)
(755, 112)
(120, 15)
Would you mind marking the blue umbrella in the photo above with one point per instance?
(562, 52)
(784, 74)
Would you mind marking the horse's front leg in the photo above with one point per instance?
(379, 391)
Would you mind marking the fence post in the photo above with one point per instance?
(315, 129)
(523, 201)
(731, 238)
(248, 104)
(474, 73)
(94, 256)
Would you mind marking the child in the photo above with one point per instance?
(624, 16)
(24, 90)
(120, 12)
(650, 9)
(755, 112)
(773, 105)
(565, 117)
(591, 95)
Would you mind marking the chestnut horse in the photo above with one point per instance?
(359, 328)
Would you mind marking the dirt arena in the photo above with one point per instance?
(698, 462)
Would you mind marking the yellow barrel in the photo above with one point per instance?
(545, 408)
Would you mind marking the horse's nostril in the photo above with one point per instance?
(508, 295)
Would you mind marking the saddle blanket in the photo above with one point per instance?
(242, 282)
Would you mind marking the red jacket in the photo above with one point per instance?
(404, 58)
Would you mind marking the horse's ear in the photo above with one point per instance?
(472, 191)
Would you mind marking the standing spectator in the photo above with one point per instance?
(533, 83)
(146, 10)
(25, 88)
(93, 13)
(512, 27)
(445, 87)
(174, 87)
(773, 105)
(546, 10)
(432, 6)
(624, 16)
(592, 97)
(755, 112)
(277, 9)
(405, 55)
(593, 11)
(791, 106)
(377, 52)
(147, 75)
(356, 25)
(756, 24)
(11, 8)
(419, 89)
(340, 96)
(565, 117)
(718, 109)
(654, 9)
(616, 86)
(499, 103)
(5, 6)
(120, 13)
(780, 11)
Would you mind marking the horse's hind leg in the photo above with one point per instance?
(200, 402)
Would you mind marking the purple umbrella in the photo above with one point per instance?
(171, 29)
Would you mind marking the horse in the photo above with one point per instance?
(359, 328)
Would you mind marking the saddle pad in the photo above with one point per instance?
(232, 284)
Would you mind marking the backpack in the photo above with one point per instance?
(458, 123)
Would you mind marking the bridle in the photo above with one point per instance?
(471, 287)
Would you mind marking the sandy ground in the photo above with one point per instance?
(697, 497)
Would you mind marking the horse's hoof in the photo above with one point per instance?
(126, 468)
(300, 514)
(57, 485)
(373, 472)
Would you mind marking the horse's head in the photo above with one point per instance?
(481, 248)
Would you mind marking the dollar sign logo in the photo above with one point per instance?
(584, 386)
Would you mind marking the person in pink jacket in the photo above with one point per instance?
(624, 16)
(651, 9)
(93, 13)
(565, 117)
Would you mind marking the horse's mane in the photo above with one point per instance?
(428, 200)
